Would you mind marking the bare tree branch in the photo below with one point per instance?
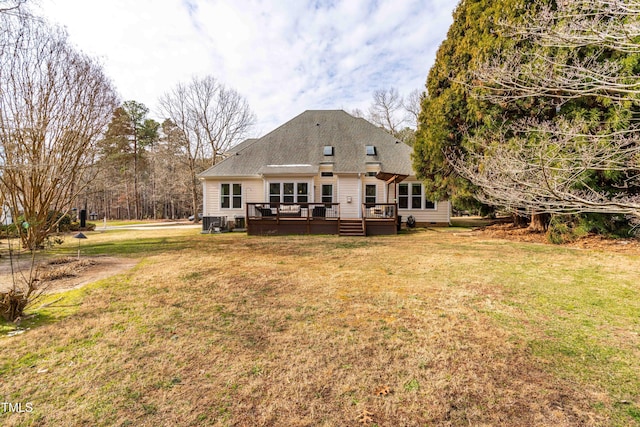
(611, 24)
(210, 118)
(54, 103)
(546, 168)
(412, 104)
(12, 7)
(384, 110)
(548, 165)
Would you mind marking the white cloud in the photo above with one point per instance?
(284, 56)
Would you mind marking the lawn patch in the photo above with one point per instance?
(421, 329)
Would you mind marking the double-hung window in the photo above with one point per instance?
(231, 196)
(370, 193)
(327, 193)
(403, 196)
(302, 192)
(288, 192)
(411, 196)
(416, 196)
(288, 195)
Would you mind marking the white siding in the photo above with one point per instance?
(317, 185)
(348, 187)
(252, 191)
(438, 215)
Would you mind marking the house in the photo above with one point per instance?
(321, 172)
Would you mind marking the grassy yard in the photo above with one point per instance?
(429, 328)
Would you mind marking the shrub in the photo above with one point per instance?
(565, 229)
(8, 230)
(63, 220)
(616, 226)
(569, 228)
(12, 304)
(75, 226)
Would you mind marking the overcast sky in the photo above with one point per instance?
(284, 56)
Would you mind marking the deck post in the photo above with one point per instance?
(246, 209)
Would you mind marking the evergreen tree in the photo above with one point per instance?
(572, 78)
(449, 113)
(123, 152)
(531, 106)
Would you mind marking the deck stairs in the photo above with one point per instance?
(351, 227)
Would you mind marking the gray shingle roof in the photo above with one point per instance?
(301, 140)
(241, 145)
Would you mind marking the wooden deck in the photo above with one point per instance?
(319, 218)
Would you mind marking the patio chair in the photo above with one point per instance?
(265, 211)
(319, 212)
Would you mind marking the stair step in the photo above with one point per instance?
(351, 227)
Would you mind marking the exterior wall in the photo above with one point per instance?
(252, 191)
(349, 187)
(320, 180)
(441, 215)
(425, 217)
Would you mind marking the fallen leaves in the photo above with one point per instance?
(365, 417)
(383, 390)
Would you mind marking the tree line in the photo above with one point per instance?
(67, 141)
(146, 169)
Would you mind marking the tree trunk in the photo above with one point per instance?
(519, 221)
(539, 222)
(194, 198)
(126, 190)
(136, 196)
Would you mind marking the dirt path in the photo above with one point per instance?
(69, 273)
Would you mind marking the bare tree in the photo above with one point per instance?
(356, 112)
(54, 103)
(546, 168)
(385, 110)
(412, 105)
(548, 164)
(209, 114)
(13, 7)
(209, 118)
(394, 113)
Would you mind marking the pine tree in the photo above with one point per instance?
(123, 151)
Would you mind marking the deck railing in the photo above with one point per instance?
(303, 211)
(379, 211)
(277, 210)
(318, 218)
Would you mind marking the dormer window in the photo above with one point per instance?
(328, 150)
(371, 150)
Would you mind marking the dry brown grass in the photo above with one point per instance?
(413, 330)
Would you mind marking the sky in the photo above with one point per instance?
(283, 56)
